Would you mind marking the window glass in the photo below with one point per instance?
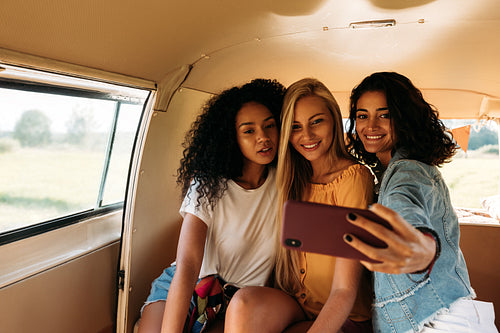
(473, 176)
(126, 129)
(57, 153)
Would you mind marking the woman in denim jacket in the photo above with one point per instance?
(421, 283)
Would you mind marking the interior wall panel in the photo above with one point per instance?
(78, 296)
(156, 221)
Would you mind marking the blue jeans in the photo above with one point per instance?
(160, 287)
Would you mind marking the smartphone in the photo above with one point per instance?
(319, 228)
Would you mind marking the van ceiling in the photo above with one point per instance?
(442, 45)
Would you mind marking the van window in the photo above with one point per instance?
(65, 148)
(473, 176)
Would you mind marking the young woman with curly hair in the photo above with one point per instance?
(421, 279)
(317, 293)
(228, 183)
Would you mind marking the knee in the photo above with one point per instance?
(242, 310)
(261, 309)
(243, 301)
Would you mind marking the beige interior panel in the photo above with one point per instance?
(28, 61)
(479, 244)
(445, 44)
(156, 220)
(78, 296)
(341, 58)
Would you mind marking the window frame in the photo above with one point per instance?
(34, 229)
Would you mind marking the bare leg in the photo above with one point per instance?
(262, 310)
(151, 318)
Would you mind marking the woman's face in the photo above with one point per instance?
(373, 125)
(256, 133)
(312, 128)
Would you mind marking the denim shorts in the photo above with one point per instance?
(465, 315)
(160, 287)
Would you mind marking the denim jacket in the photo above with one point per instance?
(405, 302)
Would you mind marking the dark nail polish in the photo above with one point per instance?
(348, 238)
(352, 217)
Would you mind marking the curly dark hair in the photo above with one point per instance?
(415, 122)
(211, 152)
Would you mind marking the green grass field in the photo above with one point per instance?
(42, 184)
(472, 179)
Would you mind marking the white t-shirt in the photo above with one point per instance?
(240, 245)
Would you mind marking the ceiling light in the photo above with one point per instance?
(372, 24)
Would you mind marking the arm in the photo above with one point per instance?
(341, 299)
(406, 192)
(189, 258)
(408, 250)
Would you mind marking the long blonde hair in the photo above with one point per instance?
(294, 172)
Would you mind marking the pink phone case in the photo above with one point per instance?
(318, 228)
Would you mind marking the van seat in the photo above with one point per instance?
(480, 245)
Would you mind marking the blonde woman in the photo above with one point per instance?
(317, 293)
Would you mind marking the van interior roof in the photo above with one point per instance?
(449, 48)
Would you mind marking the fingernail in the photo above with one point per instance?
(348, 238)
(352, 217)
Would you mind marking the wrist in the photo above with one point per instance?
(431, 234)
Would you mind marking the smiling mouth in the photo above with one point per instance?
(373, 137)
(265, 150)
(311, 146)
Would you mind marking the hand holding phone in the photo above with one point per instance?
(319, 228)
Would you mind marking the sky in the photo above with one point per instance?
(59, 109)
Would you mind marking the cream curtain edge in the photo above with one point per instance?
(20, 59)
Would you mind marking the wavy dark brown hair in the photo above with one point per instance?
(211, 152)
(415, 122)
